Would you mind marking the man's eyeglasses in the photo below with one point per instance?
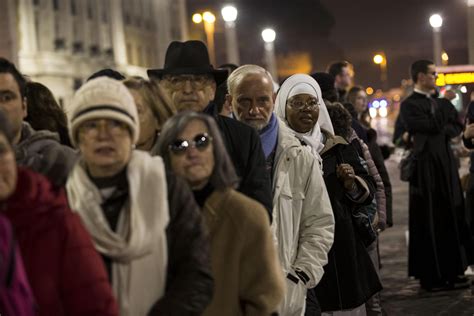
(200, 142)
(298, 105)
(177, 81)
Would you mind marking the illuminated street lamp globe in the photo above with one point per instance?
(378, 59)
(436, 21)
(209, 17)
(229, 13)
(268, 35)
(197, 18)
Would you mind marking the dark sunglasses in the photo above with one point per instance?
(200, 142)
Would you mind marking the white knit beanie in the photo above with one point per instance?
(103, 98)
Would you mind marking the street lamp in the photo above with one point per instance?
(470, 30)
(445, 58)
(268, 36)
(381, 60)
(209, 20)
(436, 21)
(229, 14)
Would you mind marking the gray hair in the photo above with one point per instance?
(223, 175)
(240, 73)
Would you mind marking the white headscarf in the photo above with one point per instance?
(299, 84)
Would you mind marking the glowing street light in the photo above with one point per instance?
(208, 17)
(229, 14)
(378, 59)
(197, 18)
(209, 20)
(436, 21)
(269, 36)
(445, 58)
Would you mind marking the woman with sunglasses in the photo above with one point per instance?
(144, 223)
(247, 276)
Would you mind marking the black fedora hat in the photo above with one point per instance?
(191, 58)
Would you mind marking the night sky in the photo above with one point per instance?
(340, 29)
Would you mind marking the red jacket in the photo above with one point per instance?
(65, 272)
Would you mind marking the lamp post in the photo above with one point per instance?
(209, 19)
(470, 30)
(436, 21)
(268, 36)
(229, 14)
(381, 60)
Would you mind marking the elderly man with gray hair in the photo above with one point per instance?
(303, 217)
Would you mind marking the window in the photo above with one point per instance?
(90, 10)
(73, 7)
(105, 8)
(56, 5)
(36, 2)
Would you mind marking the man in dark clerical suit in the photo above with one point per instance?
(439, 245)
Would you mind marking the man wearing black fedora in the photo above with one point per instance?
(190, 80)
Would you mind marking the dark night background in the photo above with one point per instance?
(339, 29)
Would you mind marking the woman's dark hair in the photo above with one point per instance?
(223, 176)
(44, 113)
(341, 120)
(5, 127)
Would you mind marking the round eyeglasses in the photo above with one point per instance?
(200, 142)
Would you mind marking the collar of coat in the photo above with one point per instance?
(331, 141)
(214, 208)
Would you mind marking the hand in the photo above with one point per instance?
(469, 131)
(346, 173)
(472, 96)
(406, 137)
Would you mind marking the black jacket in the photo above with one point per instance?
(189, 281)
(244, 148)
(349, 278)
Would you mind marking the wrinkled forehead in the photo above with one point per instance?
(255, 83)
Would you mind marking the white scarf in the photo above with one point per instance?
(298, 84)
(138, 248)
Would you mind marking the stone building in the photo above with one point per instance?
(62, 42)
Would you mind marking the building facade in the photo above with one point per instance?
(60, 43)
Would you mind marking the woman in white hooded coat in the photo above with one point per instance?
(350, 280)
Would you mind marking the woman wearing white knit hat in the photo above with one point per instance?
(157, 259)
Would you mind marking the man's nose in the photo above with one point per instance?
(188, 86)
(254, 109)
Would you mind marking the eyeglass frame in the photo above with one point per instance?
(305, 104)
(196, 84)
(109, 124)
(191, 144)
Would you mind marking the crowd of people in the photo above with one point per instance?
(204, 191)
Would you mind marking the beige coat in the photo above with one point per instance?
(245, 267)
